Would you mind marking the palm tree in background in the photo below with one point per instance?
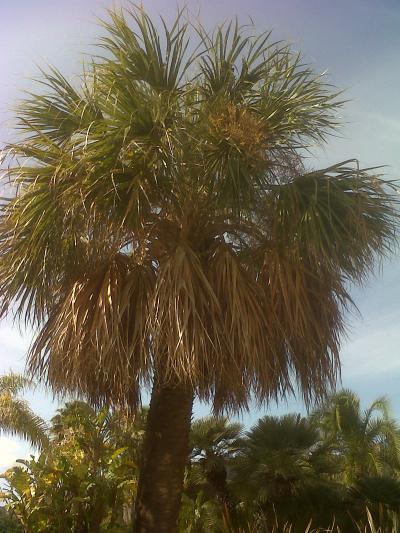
(285, 470)
(214, 444)
(368, 441)
(165, 232)
(16, 417)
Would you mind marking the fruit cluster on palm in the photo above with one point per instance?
(166, 232)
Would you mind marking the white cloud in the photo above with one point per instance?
(10, 451)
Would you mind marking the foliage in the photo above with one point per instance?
(285, 474)
(293, 474)
(163, 229)
(369, 440)
(16, 417)
(8, 524)
(85, 480)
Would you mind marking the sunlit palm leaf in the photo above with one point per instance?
(16, 417)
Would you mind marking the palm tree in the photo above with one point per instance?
(16, 417)
(200, 515)
(284, 470)
(165, 232)
(368, 441)
(214, 443)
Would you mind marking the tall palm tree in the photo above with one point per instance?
(16, 417)
(165, 232)
(368, 441)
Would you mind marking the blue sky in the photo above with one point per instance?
(357, 42)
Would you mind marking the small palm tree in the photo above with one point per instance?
(165, 231)
(16, 417)
(284, 471)
(200, 515)
(214, 444)
(278, 454)
(368, 441)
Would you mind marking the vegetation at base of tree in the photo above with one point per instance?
(84, 479)
(8, 523)
(164, 230)
(337, 470)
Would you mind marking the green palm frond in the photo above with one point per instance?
(16, 418)
(14, 383)
(375, 490)
(140, 51)
(339, 215)
(380, 406)
(215, 435)
(200, 515)
(368, 441)
(58, 114)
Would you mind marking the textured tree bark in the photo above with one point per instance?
(165, 454)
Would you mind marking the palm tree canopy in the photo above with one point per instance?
(214, 444)
(215, 437)
(16, 417)
(369, 441)
(279, 450)
(164, 220)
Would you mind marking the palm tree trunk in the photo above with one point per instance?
(165, 454)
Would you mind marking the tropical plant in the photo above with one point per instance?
(84, 481)
(108, 444)
(16, 417)
(214, 444)
(8, 524)
(200, 515)
(165, 231)
(286, 474)
(368, 441)
(285, 470)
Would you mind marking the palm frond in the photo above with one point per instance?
(16, 418)
(141, 52)
(14, 383)
(57, 115)
(94, 340)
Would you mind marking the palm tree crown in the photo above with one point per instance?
(369, 441)
(16, 417)
(164, 220)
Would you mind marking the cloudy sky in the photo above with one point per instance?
(357, 42)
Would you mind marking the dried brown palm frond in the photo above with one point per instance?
(255, 359)
(308, 303)
(94, 341)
